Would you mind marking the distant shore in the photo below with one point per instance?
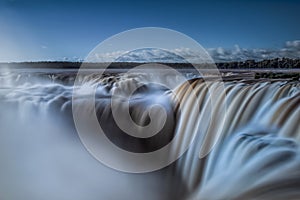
(283, 68)
(278, 63)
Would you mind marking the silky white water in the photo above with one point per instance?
(255, 156)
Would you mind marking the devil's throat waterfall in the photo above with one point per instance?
(243, 146)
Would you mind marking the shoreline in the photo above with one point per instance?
(270, 64)
(71, 68)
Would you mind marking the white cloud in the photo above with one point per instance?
(290, 50)
(151, 55)
(293, 44)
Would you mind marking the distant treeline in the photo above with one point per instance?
(277, 63)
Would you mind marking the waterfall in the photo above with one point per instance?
(258, 150)
(244, 145)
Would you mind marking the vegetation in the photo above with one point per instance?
(277, 63)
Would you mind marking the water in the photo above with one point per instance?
(255, 157)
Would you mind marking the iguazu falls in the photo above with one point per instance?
(252, 126)
(149, 100)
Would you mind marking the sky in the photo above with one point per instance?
(59, 29)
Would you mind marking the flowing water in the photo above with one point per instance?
(244, 146)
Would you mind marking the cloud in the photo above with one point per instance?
(291, 49)
(140, 55)
(105, 57)
(179, 55)
(293, 44)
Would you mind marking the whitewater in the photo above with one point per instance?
(243, 146)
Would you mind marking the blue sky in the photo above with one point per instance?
(51, 30)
